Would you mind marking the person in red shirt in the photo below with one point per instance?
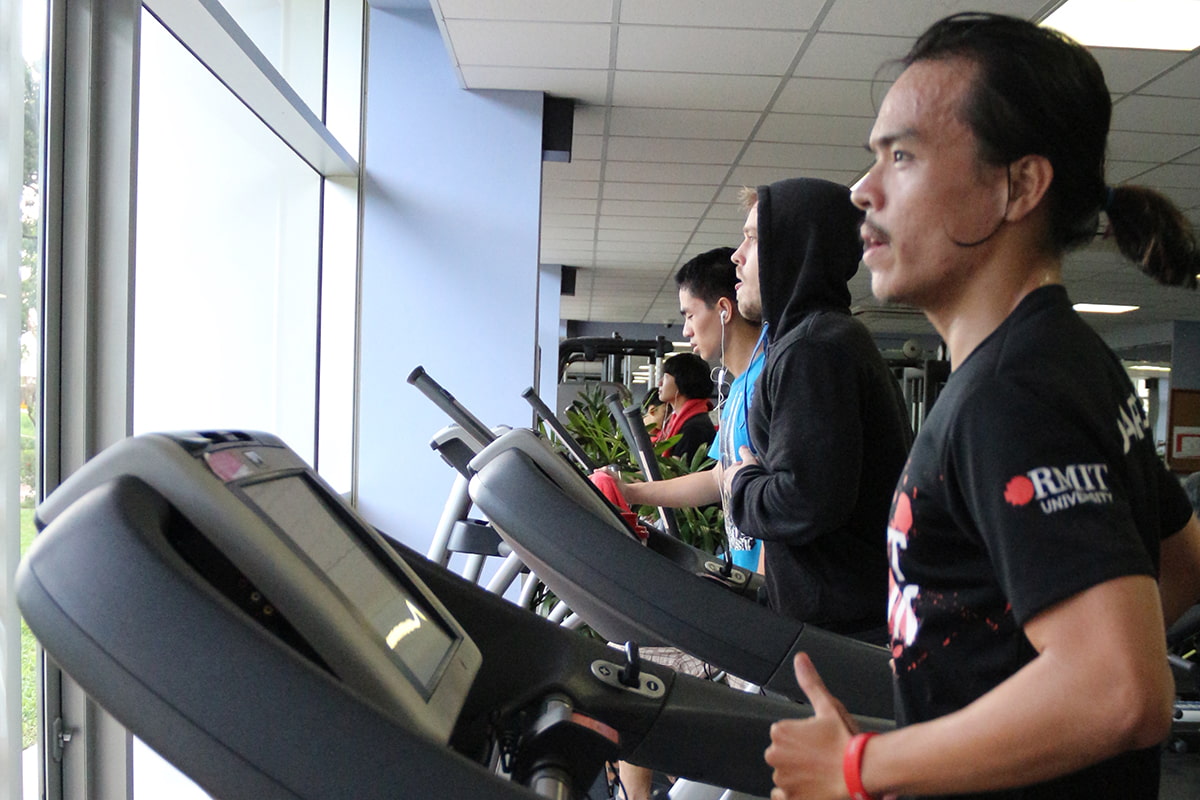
(686, 386)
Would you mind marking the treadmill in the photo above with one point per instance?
(661, 593)
(230, 609)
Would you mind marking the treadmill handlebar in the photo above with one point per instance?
(454, 409)
(570, 442)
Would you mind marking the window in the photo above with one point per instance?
(243, 242)
(228, 229)
(24, 31)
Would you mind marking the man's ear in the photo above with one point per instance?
(1029, 179)
(724, 309)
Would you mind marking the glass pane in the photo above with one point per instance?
(20, 278)
(291, 34)
(227, 260)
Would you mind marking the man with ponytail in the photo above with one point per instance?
(1037, 544)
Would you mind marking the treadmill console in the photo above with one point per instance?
(262, 528)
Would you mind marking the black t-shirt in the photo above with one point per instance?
(1034, 478)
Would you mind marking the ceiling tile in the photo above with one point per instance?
(587, 148)
(684, 90)
(688, 211)
(706, 50)
(766, 14)
(541, 10)
(574, 170)
(1172, 176)
(1153, 147)
(644, 223)
(1183, 196)
(584, 85)
(1121, 171)
(658, 191)
(1183, 81)
(591, 119)
(574, 189)
(576, 206)
(813, 129)
(682, 123)
(730, 212)
(758, 176)
(673, 151)
(831, 96)
(841, 55)
(1157, 115)
(1126, 69)
(800, 157)
(529, 44)
(556, 220)
(703, 174)
(569, 237)
(672, 237)
(655, 175)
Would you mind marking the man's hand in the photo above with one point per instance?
(747, 457)
(628, 489)
(806, 754)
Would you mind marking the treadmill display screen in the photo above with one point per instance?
(412, 634)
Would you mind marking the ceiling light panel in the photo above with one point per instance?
(1143, 24)
(910, 17)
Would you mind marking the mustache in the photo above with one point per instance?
(872, 232)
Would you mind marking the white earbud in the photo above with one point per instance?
(724, 315)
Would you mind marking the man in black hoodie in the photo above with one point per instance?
(828, 424)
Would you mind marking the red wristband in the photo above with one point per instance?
(852, 766)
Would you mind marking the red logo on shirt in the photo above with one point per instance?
(1019, 491)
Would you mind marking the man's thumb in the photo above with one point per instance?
(809, 680)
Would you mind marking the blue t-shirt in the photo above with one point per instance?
(732, 436)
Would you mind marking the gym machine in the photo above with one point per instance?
(659, 593)
(230, 609)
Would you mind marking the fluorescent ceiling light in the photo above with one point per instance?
(1140, 24)
(1103, 308)
(682, 345)
(1149, 368)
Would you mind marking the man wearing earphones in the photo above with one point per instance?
(828, 428)
(719, 333)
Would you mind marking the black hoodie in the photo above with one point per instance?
(828, 421)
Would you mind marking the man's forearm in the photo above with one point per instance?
(1083, 699)
(693, 489)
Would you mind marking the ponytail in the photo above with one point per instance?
(1151, 232)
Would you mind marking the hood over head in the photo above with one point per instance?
(808, 249)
